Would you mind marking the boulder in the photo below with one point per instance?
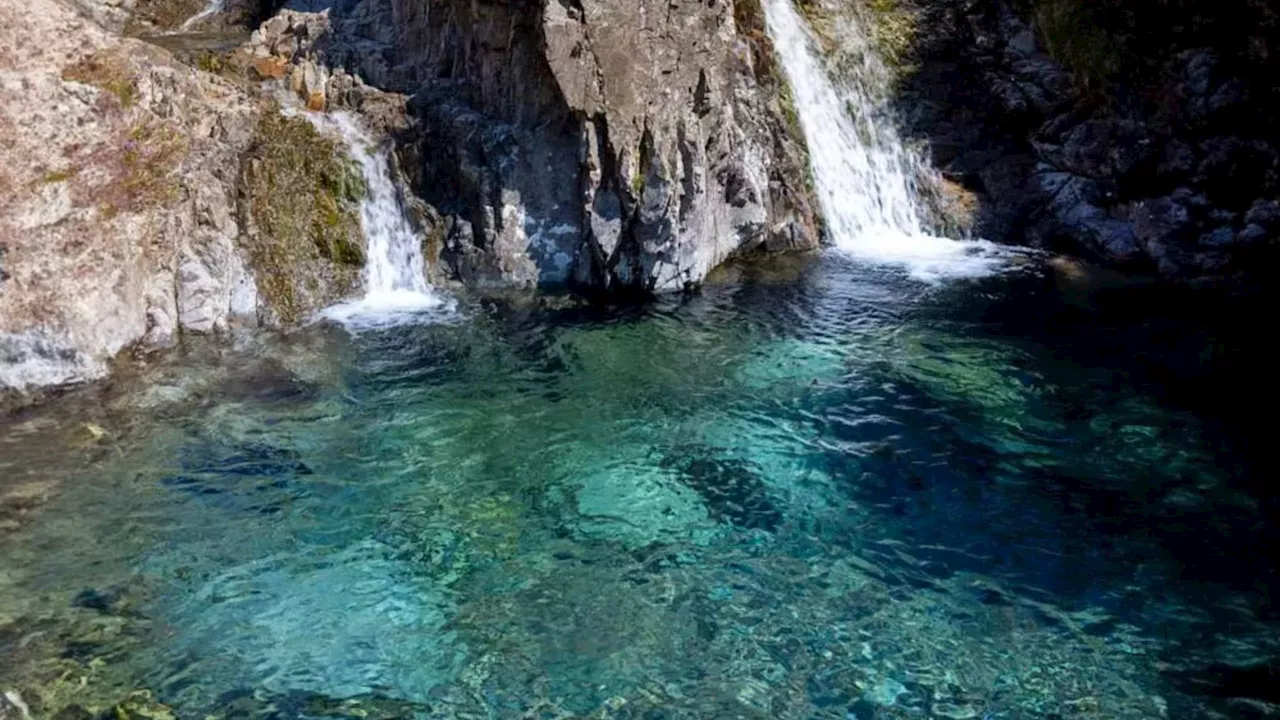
(1104, 149)
(1265, 213)
(1219, 238)
(1164, 220)
(1073, 214)
(1252, 234)
(119, 223)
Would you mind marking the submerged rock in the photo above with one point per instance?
(731, 488)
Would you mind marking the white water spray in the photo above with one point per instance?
(209, 10)
(396, 290)
(864, 175)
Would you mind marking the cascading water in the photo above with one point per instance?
(213, 7)
(396, 289)
(864, 175)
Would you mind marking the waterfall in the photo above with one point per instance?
(396, 288)
(213, 7)
(865, 177)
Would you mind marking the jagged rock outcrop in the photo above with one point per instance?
(133, 193)
(616, 149)
(589, 143)
(119, 178)
(1137, 134)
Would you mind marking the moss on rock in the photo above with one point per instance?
(108, 71)
(302, 193)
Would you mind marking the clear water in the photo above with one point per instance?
(865, 176)
(821, 491)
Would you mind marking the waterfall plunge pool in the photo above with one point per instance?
(828, 491)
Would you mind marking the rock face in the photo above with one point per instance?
(133, 193)
(617, 149)
(118, 173)
(1078, 133)
(608, 146)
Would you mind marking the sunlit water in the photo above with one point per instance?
(832, 494)
(865, 177)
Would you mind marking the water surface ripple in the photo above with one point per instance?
(828, 492)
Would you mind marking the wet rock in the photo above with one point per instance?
(1042, 81)
(1074, 214)
(1023, 42)
(1232, 166)
(586, 144)
(1113, 239)
(31, 358)
(953, 711)
(1192, 75)
(1210, 263)
(886, 692)
(299, 214)
(731, 488)
(290, 35)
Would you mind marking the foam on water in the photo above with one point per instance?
(864, 174)
(396, 289)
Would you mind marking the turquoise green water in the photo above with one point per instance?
(826, 494)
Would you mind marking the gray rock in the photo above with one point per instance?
(103, 257)
(1191, 81)
(1232, 94)
(1263, 212)
(1024, 42)
(1233, 165)
(1160, 228)
(1177, 160)
(1169, 260)
(1112, 239)
(1252, 234)
(1161, 220)
(1210, 262)
(1074, 214)
(614, 146)
(1221, 237)
(1105, 148)
(1041, 71)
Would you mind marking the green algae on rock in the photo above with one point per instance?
(301, 194)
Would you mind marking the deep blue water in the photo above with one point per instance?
(811, 491)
